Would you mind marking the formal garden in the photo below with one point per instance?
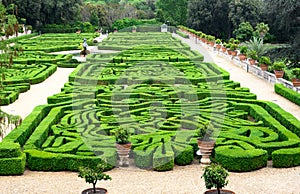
(159, 91)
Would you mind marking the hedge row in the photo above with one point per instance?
(12, 160)
(183, 35)
(287, 93)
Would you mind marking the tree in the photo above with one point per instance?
(244, 31)
(262, 29)
(210, 17)
(174, 11)
(283, 16)
(244, 11)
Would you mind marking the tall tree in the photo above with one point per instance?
(283, 17)
(174, 11)
(244, 11)
(210, 16)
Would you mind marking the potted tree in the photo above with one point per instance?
(278, 68)
(296, 77)
(242, 55)
(252, 56)
(92, 176)
(215, 177)
(205, 142)
(264, 62)
(218, 44)
(123, 145)
(233, 48)
(133, 29)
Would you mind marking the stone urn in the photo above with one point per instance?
(205, 147)
(123, 153)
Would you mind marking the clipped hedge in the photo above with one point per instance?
(12, 160)
(183, 35)
(284, 158)
(287, 93)
(46, 161)
(240, 160)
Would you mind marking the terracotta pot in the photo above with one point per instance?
(264, 67)
(229, 51)
(278, 74)
(296, 82)
(206, 147)
(218, 46)
(91, 191)
(215, 191)
(224, 49)
(234, 53)
(252, 61)
(212, 44)
(242, 57)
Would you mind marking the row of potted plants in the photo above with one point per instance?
(234, 48)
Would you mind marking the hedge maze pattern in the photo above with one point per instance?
(162, 96)
(34, 63)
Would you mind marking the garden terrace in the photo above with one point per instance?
(129, 40)
(19, 77)
(56, 42)
(163, 104)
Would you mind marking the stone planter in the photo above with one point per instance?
(123, 153)
(206, 147)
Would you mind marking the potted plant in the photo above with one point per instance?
(123, 145)
(278, 68)
(233, 48)
(296, 77)
(133, 29)
(205, 142)
(92, 176)
(264, 62)
(218, 44)
(252, 56)
(215, 177)
(224, 47)
(243, 50)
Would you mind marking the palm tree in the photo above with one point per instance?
(256, 44)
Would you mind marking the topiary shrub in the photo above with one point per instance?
(284, 158)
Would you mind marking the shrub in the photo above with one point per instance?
(290, 94)
(284, 158)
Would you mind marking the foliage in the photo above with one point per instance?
(174, 11)
(218, 41)
(264, 60)
(288, 93)
(243, 49)
(244, 32)
(129, 22)
(296, 72)
(257, 45)
(278, 65)
(93, 174)
(206, 131)
(262, 29)
(122, 135)
(281, 15)
(215, 176)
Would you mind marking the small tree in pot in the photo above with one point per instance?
(278, 67)
(92, 175)
(205, 142)
(296, 77)
(123, 145)
(215, 177)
